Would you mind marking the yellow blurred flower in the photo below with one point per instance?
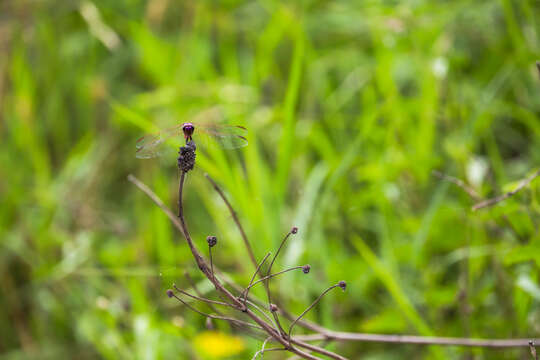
(216, 344)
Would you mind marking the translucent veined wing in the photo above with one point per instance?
(226, 136)
(158, 144)
(212, 128)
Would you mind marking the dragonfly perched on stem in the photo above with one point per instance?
(206, 126)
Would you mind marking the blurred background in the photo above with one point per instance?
(350, 106)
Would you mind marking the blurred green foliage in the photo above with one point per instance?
(350, 105)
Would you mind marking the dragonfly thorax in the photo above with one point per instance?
(188, 130)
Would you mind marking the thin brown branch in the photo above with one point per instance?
(460, 183)
(211, 260)
(217, 317)
(246, 292)
(418, 340)
(211, 305)
(322, 345)
(148, 192)
(317, 349)
(274, 275)
(201, 295)
(522, 184)
(261, 311)
(197, 291)
(277, 252)
(235, 218)
(205, 300)
(267, 282)
(310, 307)
(323, 333)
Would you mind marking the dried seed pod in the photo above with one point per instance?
(186, 157)
(211, 240)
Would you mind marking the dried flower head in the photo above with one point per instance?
(211, 240)
(273, 308)
(342, 284)
(306, 268)
(294, 230)
(186, 157)
(170, 293)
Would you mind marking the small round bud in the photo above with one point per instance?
(306, 268)
(211, 240)
(170, 293)
(294, 230)
(342, 284)
(273, 308)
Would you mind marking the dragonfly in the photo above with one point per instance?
(163, 142)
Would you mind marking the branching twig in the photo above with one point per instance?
(208, 301)
(490, 202)
(196, 289)
(207, 272)
(170, 293)
(253, 305)
(460, 183)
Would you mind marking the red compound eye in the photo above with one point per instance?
(188, 129)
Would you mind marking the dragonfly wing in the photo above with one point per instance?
(154, 145)
(227, 136)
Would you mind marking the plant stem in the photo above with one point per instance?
(246, 292)
(274, 275)
(235, 218)
(310, 307)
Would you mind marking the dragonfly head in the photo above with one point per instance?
(188, 130)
